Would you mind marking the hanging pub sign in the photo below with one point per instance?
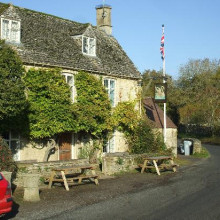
(160, 92)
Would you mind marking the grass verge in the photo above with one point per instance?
(203, 154)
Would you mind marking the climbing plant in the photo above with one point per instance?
(50, 107)
(92, 108)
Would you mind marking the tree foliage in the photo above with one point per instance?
(50, 107)
(149, 78)
(199, 92)
(12, 96)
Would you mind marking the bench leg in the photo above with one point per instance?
(64, 180)
(96, 178)
(80, 180)
(157, 169)
(144, 166)
(171, 162)
(51, 179)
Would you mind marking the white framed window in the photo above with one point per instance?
(70, 81)
(109, 145)
(10, 30)
(89, 46)
(13, 141)
(110, 87)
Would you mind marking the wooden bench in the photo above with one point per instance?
(153, 162)
(69, 175)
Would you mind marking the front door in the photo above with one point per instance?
(65, 145)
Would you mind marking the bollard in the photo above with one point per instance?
(31, 189)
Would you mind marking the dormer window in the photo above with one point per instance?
(10, 30)
(89, 46)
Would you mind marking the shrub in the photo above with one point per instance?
(138, 132)
(6, 159)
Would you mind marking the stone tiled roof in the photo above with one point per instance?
(51, 41)
(155, 114)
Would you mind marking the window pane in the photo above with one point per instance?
(5, 135)
(112, 92)
(5, 29)
(112, 144)
(112, 84)
(112, 97)
(85, 45)
(14, 135)
(15, 146)
(14, 31)
(92, 46)
(70, 80)
(105, 146)
(106, 83)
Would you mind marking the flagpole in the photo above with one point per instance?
(164, 104)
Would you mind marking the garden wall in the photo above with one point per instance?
(113, 163)
(42, 168)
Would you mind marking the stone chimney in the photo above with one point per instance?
(103, 18)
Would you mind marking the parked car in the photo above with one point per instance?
(5, 196)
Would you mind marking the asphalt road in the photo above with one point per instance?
(192, 194)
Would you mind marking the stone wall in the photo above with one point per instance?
(42, 168)
(197, 145)
(171, 139)
(113, 163)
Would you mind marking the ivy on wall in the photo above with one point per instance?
(50, 107)
(52, 112)
(93, 108)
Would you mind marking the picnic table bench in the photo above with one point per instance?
(158, 163)
(69, 174)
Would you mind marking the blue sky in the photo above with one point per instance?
(192, 27)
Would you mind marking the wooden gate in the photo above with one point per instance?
(65, 145)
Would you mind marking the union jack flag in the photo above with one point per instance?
(162, 51)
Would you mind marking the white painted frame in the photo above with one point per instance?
(72, 86)
(89, 46)
(108, 90)
(73, 148)
(18, 39)
(17, 156)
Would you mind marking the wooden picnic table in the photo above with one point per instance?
(153, 162)
(69, 174)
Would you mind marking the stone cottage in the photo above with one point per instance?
(46, 41)
(156, 115)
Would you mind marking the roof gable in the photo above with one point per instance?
(3, 7)
(48, 40)
(8, 11)
(156, 114)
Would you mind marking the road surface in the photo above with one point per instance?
(192, 194)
